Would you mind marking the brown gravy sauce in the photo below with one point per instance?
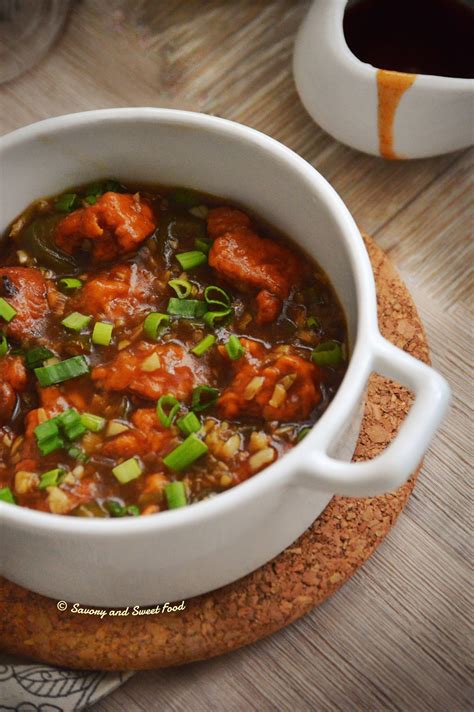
(390, 88)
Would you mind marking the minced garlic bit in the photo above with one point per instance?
(253, 387)
(59, 501)
(26, 481)
(261, 458)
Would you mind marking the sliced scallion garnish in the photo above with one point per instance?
(166, 409)
(66, 202)
(188, 308)
(102, 333)
(182, 287)
(203, 244)
(155, 324)
(192, 259)
(312, 323)
(204, 345)
(6, 310)
(62, 371)
(76, 321)
(51, 478)
(6, 495)
(92, 422)
(216, 296)
(127, 471)
(234, 348)
(328, 353)
(175, 493)
(71, 424)
(70, 283)
(204, 397)
(302, 433)
(189, 423)
(185, 454)
(37, 356)
(3, 345)
(210, 317)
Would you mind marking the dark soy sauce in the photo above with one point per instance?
(414, 36)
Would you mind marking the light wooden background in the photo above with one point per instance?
(396, 637)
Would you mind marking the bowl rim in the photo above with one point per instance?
(284, 470)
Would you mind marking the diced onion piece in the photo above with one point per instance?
(278, 396)
(253, 387)
(151, 363)
(185, 454)
(127, 471)
(261, 458)
(116, 427)
(231, 446)
(175, 493)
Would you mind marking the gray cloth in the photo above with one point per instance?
(34, 687)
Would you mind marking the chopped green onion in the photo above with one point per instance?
(3, 345)
(212, 316)
(102, 333)
(51, 478)
(204, 397)
(302, 433)
(6, 310)
(189, 423)
(191, 260)
(71, 423)
(203, 345)
(37, 356)
(91, 199)
(65, 203)
(188, 308)
(6, 495)
(76, 321)
(216, 295)
(154, 324)
(313, 323)
(70, 283)
(182, 287)
(49, 445)
(185, 454)
(78, 454)
(46, 430)
(132, 510)
(203, 244)
(185, 198)
(62, 371)
(114, 508)
(128, 470)
(94, 423)
(175, 493)
(234, 348)
(329, 353)
(166, 417)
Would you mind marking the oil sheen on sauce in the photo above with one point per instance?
(403, 38)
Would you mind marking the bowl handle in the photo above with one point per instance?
(391, 468)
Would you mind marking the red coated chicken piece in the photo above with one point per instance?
(123, 291)
(147, 436)
(13, 380)
(270, 385)
(26, 290)
(116, 224)
(151, 371)
(251, 262)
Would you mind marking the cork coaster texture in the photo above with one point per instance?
(301, 577)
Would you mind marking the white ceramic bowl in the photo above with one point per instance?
(435, 114)
(182, 553)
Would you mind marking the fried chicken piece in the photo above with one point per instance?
(151, 371)
(147, 436)
(116, 224)
(252, 263)
(26, 290)
(13, 380)
(270, 385)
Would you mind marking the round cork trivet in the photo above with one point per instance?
(310, 570)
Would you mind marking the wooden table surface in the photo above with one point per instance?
(396, 637)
